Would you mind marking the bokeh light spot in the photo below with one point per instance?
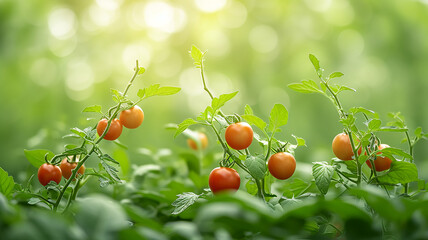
(234, 15)
(61, 23)
(43, 72)
(210, 5)
(263, 38)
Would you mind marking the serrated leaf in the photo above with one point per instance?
(94, 108)
(6, 183)
(314, 62)
(323, 173)
(344, 88)
(184, 201)
(400, 172)
(106, 157)
(306, 86)
(220, 101)
(111, 171)
(396, 151)
(248, 110)
(164, 91)
(256, 166)
(37, 157)
(335, 75)
(278, 117)
(418, 132)
(184, 125)
(256, 121)
(76, 151)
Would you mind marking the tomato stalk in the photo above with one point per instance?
(94, 147)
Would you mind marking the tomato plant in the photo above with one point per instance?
(48, 172)
(282, 165)
(239, 135)
(224, 179)
(132, 118)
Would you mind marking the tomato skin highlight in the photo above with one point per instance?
(67, 167)
(381, 163)
(239, 135)
(282, 165)
(114, 131)
(342, 148)
(224, 179)
(202, 138)
(132, 118)
(48, 173)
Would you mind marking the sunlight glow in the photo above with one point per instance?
(164, 17)
(210, 5)
(263, 38)
(61, 23)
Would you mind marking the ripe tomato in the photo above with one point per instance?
(202, 138)
(67, 167)
(239, 135)
(381, 163)
(132, 118)
(224, 179)
(114, 131)
(282, 165)
(47, 173)
(342, 147)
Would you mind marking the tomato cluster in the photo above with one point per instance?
(131, 118)
(343, 150)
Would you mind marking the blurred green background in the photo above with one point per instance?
(57, 57)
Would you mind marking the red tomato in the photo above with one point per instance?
(67, 167)
(132, 118)
(47, 173)
(381, 163)
(202, 138)
(282, 165)
(239, 135)
(342, 147)
(114, 131)
(224, 179)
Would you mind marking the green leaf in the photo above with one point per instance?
(254, 120)
(335, 75)
(220, 101)
(111, 171)
(323, 173)
(257, 167)
(184, 201)
(368, 112)
(278, 117)
(400, 172)
(306, 86)
(184, 125)
(106, 157)
(37, 157)
(197, 55)
(248, 110)
(164, 91)
(141, 93)
(374, 124)
(300, 141)
(76, 151)
(94, 108)
(396, 151)
(337, 89)
(6, 183)
(314, 62)
(141, 70)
